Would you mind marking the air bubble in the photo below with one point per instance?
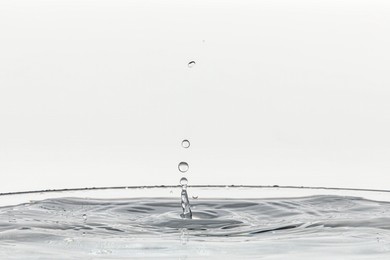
(185, 143)
(183, 167)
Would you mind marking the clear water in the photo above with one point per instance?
(313, 227)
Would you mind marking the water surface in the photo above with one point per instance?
(315, 227)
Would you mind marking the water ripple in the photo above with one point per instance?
(339, 225)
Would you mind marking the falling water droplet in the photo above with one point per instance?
(185, 143)
(183, 181)
(191, 64)
(183, 166)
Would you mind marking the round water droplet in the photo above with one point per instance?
(183, 167)
(85, 216)
(185, 143)
(183, 181)
(191, 64)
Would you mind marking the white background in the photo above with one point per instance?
(98, 93)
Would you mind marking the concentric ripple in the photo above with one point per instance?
(333, 226)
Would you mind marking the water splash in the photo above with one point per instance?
(185, 202)
(185, 205)
(334, 227)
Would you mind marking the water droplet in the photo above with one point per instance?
(191, 64)
(185, 143)
(183, 167)
(85, 217)
(183, 181)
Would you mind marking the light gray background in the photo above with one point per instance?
(98, 93)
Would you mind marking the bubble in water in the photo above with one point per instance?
(185, 143)
(183, 167)
(183, 181)
(191, 64)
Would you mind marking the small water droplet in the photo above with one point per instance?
(185, 143)
(183, 166)
(183, 181)
(85, 217)
(191, 64)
